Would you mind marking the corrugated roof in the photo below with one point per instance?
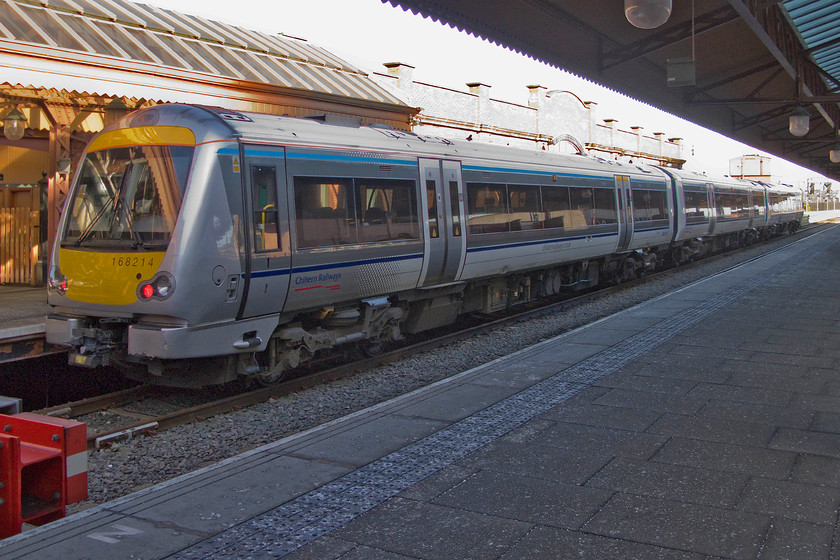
(818, 23)
(140, 33)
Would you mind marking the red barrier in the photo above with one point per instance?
(43, 467)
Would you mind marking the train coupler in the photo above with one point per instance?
(91, 348)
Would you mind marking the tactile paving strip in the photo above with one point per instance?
(308, 517)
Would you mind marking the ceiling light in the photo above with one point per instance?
(834, 152)
(800, 121)
(647, 14)
(14, 125)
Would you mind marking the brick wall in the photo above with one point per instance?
(545, 116)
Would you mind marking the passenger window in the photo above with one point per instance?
(525, 207)
(431, 198)
(649, 205)
(339, 211)
(696, 206)
(605, 207)
(487, 207)
(388, 210)
(264, 200)
(557, 209)
(456, 208)
(722, 206)
(323, 215)
(583, 204)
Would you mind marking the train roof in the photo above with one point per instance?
(216, 123)
(695, 177)
(213, 124)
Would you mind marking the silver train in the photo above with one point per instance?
(199, 245)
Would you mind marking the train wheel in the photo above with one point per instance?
(373, 347)
(267, 377)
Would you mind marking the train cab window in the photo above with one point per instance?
(324, 211)
(525, 207)
(431, 199)
(264, 200)
(487, 208)
(129, 195)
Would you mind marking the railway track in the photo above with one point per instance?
(146, 409)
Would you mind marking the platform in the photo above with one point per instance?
(704, 423)
(23, 311)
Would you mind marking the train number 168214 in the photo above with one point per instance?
(132, 262)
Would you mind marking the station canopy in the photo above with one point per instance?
(136, 51)
(738, 67)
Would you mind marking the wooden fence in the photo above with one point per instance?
(18, 246)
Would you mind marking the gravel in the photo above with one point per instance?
(140, 462)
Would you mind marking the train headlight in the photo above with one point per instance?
(162, 286)
(158, 288)
(57, 282)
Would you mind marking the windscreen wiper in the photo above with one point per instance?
(89, 229)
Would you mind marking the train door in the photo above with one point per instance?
(713, 210)
(269, 256)
(443, 204)
(625, 212)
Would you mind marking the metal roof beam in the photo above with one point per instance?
(761, 117)
(776, 34)
(739, 76)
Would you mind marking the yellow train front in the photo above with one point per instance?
(115, 261)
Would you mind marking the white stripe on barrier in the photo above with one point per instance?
(77, 464)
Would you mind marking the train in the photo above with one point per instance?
(200, 245)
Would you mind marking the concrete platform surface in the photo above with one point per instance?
(23, 310)
(702, 424)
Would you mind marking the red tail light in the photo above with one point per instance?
(158, 288)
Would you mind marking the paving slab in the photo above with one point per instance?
(706, 428)
(807, 441)
(768, 415)
(431, 531)
(672, 482)
(567, 466)
(525, 498)
(791, 500)
(593, 414)
(756, 461)
(683, 526)
(793, 540)
(550, 542)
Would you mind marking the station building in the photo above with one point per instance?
(552, 120)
